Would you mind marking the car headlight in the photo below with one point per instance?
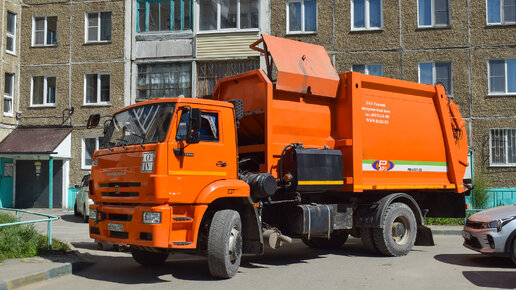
(151, 217)
(498, 224)
(93, 214)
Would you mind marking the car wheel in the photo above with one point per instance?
(75, 211)
(85, 218)
(225, 244)
(513, 251)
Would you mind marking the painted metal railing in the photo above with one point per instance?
(48, 218)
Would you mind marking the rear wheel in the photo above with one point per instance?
(225, 244)
(85, 218)
(75, 211)
(367, 237)
(336, 240)
(397, 236)
(147, 258)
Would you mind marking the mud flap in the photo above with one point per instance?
(424, 236)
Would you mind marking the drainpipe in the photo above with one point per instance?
(50, 182)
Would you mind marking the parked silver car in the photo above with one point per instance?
(82, 200)
(492, 232)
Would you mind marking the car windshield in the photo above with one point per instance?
(139, 125)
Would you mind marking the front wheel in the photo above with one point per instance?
(513, 251)
(75, 211)
(147, 258)
(398, 234)
(336, 240)
(225, 244)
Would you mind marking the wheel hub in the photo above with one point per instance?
(234, 244)
(400, 230)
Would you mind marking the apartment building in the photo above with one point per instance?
(468, 46)
(72, 60)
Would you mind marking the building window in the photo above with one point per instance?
(89, 145)
(433, 73)
(502, 77)
(97, 89)
(501, 12)
(366, 14)
(164, 80)
(301, 16)
(208, 73)
(10, 45)
(44, 31)
(368, 69)
(433, 13)
(8, 94)
(228, 14)
(502, 143)
(98, 27)
(164, 15)
(43, 91)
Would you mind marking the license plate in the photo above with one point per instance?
(115, 227)
(466, 235)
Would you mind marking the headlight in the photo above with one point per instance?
(93, 214)
(498, 224)
(151, 217)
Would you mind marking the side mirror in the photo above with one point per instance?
(194, 126)
(93, 121)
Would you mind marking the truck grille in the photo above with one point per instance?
(119, 189)
(119, 217)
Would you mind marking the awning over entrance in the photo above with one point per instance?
(33, 167)
(34, 140)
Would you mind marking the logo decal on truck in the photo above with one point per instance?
(383, 165)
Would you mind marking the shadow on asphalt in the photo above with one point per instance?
(72, 218)
(124, 270)
(475, 260)
(492, 279)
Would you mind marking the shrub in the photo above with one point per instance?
(480, 195)
(23, 241)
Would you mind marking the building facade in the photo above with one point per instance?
(468, 46)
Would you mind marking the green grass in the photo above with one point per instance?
(445, 221)
(23, 241)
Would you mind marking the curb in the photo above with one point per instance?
(49, 274)
(447, 232)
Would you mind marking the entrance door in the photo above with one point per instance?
(32, 184)
(6, 182)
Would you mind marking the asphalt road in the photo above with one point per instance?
(448, 265)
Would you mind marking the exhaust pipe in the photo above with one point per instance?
(275, 238)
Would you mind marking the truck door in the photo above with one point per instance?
(213, 158)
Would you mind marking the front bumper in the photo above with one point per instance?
(486, 241)
(124, 224)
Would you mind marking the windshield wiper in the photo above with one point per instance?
(122, 141)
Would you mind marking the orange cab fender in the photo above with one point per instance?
(223, 189)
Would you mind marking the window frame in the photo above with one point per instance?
(99, 89)
(303, 15)
(146, 3)
(450, 94)
(505, 92)
(501, 15)
(10, 35)
(367, 17)
(11, 111)
(83, 150)
(166, 64)
(506, 147)
(45, 31)
(366, 65)
(99, 27)
(433, 25)
(224, 30)
(45, 91)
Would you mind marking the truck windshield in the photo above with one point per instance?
(139, 125)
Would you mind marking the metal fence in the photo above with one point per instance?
(48, 218)
(498, 197)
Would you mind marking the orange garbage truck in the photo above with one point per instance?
(297, 151)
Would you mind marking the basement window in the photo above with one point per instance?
(164, 15)
(502, 147)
